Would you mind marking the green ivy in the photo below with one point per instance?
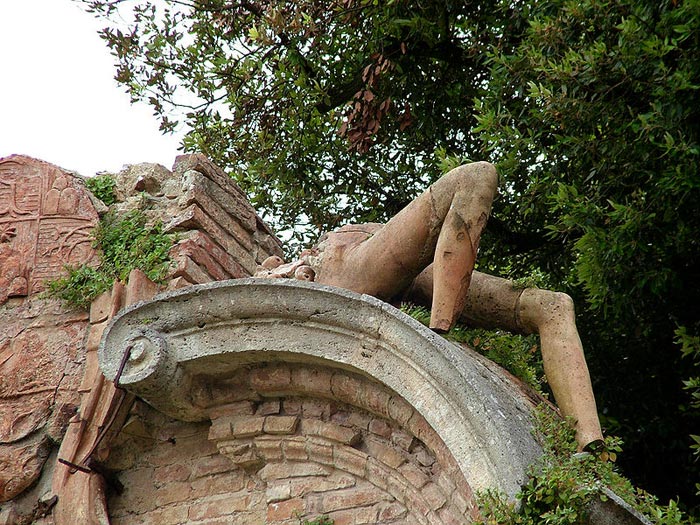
(125, 243)
(562, 483)
(690, 348)
(103, 187)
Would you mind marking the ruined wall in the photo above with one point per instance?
(274, 439)
(48, 363)
(45, 221)
(314, 455)
(221, 236)
(351, 465)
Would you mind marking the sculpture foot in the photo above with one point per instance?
(595, 449)
(440, 326)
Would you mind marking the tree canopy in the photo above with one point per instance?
(340, 111)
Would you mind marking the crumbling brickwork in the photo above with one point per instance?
(334, 444)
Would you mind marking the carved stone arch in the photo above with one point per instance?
(297, 376)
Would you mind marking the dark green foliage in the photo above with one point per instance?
(265, 87)
(125, 243)
(332, 112)
(562, 484)
(690, 348)
(594, 118)
(102, 187)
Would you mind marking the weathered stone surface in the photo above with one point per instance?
(46, 217)
(144, 178)
(228, 209)
(192, 250)
(104, 409)
(194, 218)
(229, 263)
(483, 420)
(219, 229)
(188, 269)
(45, 221)
(614, 511)
(20, 465)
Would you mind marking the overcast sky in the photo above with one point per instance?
(58, 99)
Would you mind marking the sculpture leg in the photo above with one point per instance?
(552, 316)
(493, 302)
(443, 225)
(458, 242)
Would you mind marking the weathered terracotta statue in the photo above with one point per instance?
(426, 254)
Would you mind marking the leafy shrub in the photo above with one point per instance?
(125, 243)
(129, 242)
(102, 187)
(690, 348)
(561, 484)
(81, 285)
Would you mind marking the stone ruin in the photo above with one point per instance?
(217, 398)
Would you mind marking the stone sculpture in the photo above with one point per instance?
(426, 254)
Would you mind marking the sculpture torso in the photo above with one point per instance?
(332, 258)
(327, 262)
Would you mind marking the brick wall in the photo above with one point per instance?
(223, 237)
(302, 441)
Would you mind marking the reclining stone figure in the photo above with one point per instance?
(426, 254)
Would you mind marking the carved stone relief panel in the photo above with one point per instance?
(46, 217)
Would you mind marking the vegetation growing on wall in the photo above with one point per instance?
(562, 484)
(321, 520)
(124, 243)
(103, 187)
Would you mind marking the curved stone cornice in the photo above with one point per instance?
(181, 340)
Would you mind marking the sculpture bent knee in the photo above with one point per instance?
(428, 251)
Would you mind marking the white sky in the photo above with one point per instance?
(59, 101)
